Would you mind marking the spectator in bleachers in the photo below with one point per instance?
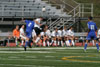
(16, 35)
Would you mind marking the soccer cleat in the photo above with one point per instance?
(98, 51)
(25, 48)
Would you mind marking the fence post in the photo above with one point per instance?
(92, 9)
(2, 11)
(79, 10)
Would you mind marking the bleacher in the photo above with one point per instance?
(28, 8)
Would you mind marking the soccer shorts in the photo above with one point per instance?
(91, 36)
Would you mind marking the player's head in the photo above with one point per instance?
(90, 18)
(61, 28)
(65, 27)
(46, 26)
(23, 26)
(17, 27)
(71, 28)
(41, 18)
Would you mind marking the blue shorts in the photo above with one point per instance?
(91, 36)
(29, 34)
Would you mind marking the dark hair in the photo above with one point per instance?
(90, 18)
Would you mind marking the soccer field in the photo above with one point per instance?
(49, 57)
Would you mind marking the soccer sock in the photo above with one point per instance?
(22, 42)
(58, 43)
(44, 43)
(93, 42)
(38, 38)
(67, 43)
(85, 46)
(97, 46)
(62, 43)
(26, 43)
(16, 43)
(48, 43)
(54, 43)
(73, 43)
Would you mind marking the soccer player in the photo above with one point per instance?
(16, 35)
(37, 26)
(92, 28)
(22, 35)
(55, 37)
(29, 29)
(48, 34)
(60, 35)
(70, 34)
(98, 35)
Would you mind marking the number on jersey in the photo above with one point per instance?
(92, 27)
(29, 24)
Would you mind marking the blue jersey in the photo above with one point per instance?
(92, 26)
(29, 25)
(92, 29)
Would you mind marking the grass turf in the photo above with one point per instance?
(50, 58)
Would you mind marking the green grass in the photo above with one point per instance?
(50, 58)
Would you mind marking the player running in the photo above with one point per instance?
(29, 29)
(92, 28)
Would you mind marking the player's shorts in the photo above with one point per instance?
(91, 36)
(29, 34)
(23, 37)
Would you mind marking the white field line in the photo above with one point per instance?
(60, 48)
(19, 65)
(26, 52)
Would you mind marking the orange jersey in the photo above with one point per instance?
(16, 33)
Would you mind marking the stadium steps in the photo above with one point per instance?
(14, 7)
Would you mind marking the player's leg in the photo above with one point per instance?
(85, 46)
(87, 39)
(72, 40)
(27, 40)
(97, 45)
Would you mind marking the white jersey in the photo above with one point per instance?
(70, 33)
(54, 33)
(98, 33)
(42, 33)
(64, 32)
(22, 33)
(38, 20)
(48, 33)
(60, 33)
(33, 33)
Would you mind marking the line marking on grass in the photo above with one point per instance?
(69, 58)
(27, 52)
(19, 65)
(53, 48)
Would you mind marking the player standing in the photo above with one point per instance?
(92, 28)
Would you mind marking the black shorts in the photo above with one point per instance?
(37, 30)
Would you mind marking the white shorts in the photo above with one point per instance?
(23, 37)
